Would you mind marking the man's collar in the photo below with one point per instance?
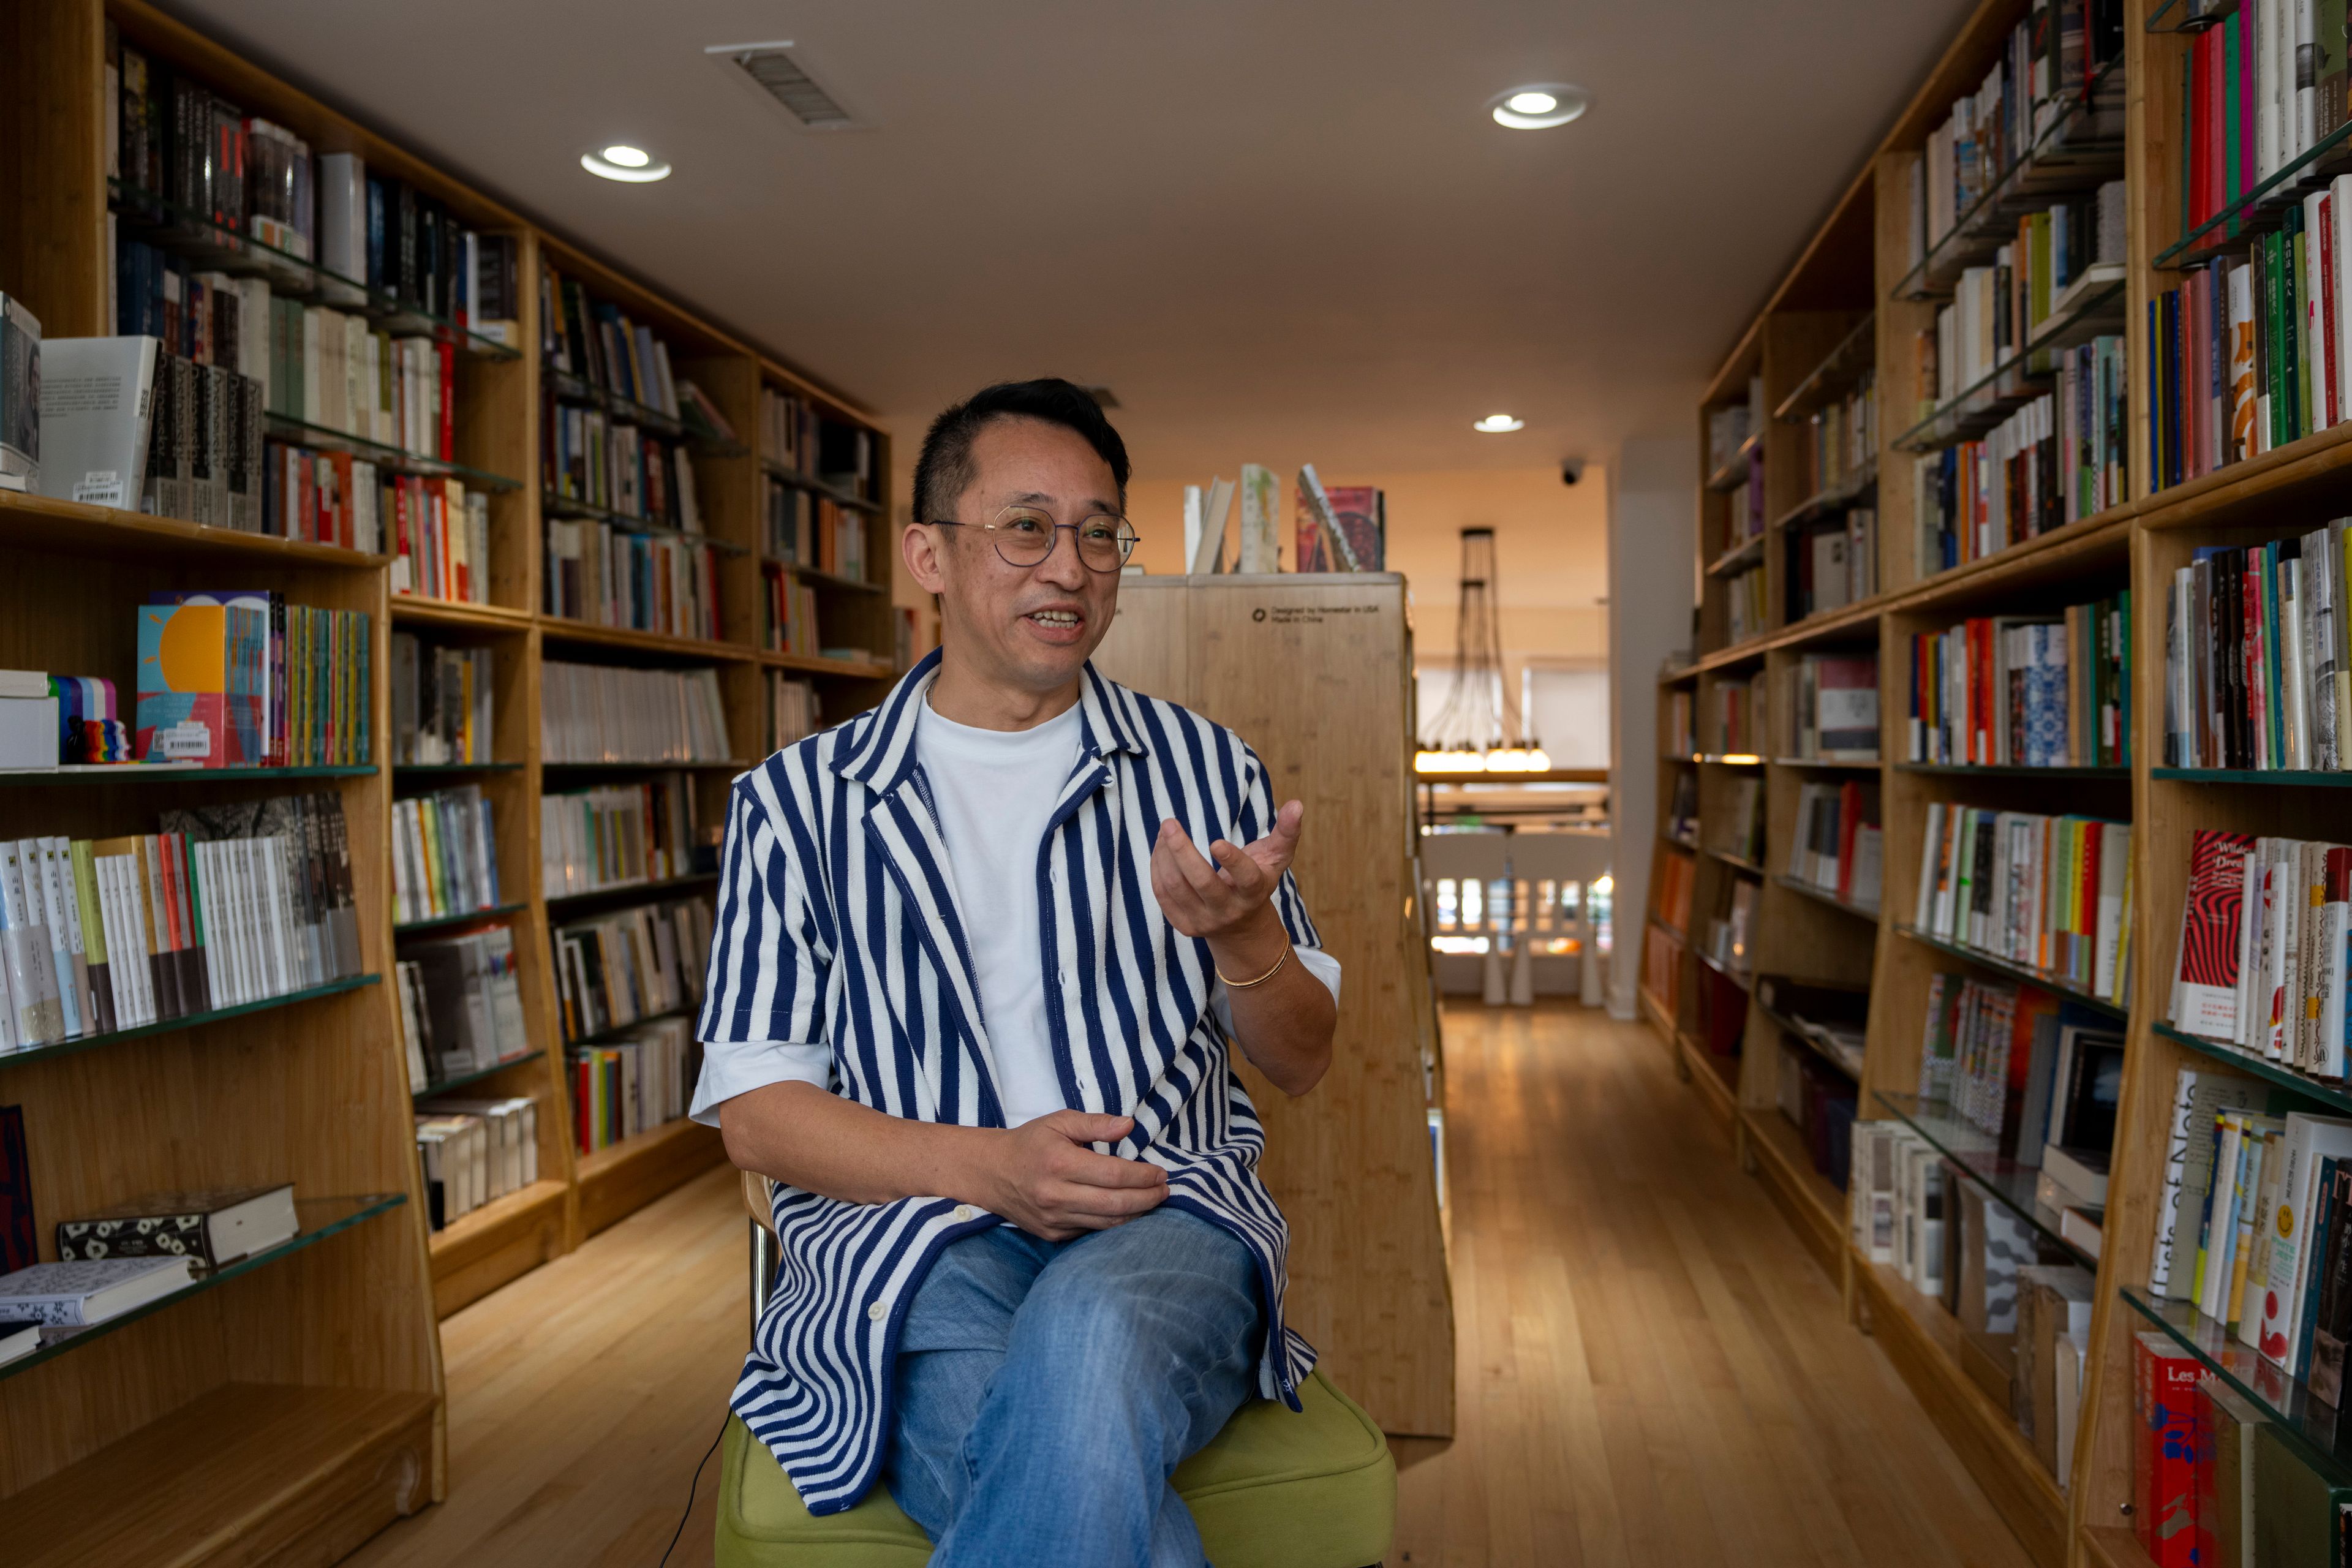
(878, 748)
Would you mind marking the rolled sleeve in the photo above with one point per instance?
(1318, 962)
(763, 1006)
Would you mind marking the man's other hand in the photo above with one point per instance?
(1046, 1181)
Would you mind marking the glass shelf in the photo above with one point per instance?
(447, 1085)
(570, 387)
(184, 1021)
(2057, 984)
(1869, 762)
(1989, 770)
(623, 891)
(815, 486)
(1822, 895)
(2093, 305)
(319, 1218)
(621, 1031)
(2307, 777)
(2314, 1430)
(402, 770)
(1747, 553)
(159, 773)
(436, 922)
(1819, 1047)
(1738, 977)
(1977, 1154)
(1857, 352)
(1733, 474)
(1737, 862)
(2333, 1095)
(2265, 207)
(2190, 15)
(1834, 498)
(142, 215)
(729, 765)
(2076, 152)
(822, 579)
(393, 458)
(566, 506)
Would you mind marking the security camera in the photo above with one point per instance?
(1572, 470)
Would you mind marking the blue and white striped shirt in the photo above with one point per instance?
(838, 922)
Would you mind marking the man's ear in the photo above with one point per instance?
(924, 551)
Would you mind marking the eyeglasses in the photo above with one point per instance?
(1024, 536)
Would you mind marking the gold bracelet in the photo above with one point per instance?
(1232, 984)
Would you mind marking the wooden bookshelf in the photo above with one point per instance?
(2135, 544)
(291, 1409)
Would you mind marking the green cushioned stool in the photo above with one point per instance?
(1275, 1489)
(1315, 1489)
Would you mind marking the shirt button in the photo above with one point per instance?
(965, 1211)
(878, 1311)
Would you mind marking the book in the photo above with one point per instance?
(207, 1228)
(17, 1243)
(615, 970)
(444, 702)
(1261, 494)
(473, 1151)
(608, 713)
(605, 575)
(97, 399)
(2226, 1504)
(20, 395)
(632, 1085)
(2023, 691)
(444, 855)
(2164, 1458)
(466, 1002)
(76, 1294)
(2253, 662)
(2308, 1141)
(18, 1337)
(2051, 893)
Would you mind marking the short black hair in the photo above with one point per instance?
(943, 471)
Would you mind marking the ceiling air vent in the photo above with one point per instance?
(778, 70)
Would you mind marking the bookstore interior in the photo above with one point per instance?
(1802, 851)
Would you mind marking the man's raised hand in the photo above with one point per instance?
(1202, 899)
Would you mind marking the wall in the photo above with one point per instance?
(1551, 540)
(1652, 556)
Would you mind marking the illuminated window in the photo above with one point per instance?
(1473, 913)
(1459, 944)
(1571, 902)
(1447, 914)
(1545, 894)
(1498, 912)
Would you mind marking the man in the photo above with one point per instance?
(970, 1004)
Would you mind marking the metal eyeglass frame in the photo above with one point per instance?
(1128, 540)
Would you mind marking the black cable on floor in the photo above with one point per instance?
(690, 1487)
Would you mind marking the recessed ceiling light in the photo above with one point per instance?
(1498, 425)
(1538, 106)
(630, 157)
(622, 162)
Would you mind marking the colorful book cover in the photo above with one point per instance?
(1363, 514)
(183, 658)
(2205, 997)
(2164, 1475)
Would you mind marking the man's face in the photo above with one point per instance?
(1031, 627)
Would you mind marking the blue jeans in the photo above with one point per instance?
(1046, 1390)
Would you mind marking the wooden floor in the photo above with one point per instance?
(1652, 1370)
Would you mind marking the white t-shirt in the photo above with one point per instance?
(995, 791)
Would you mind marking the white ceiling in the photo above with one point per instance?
(1266, 226)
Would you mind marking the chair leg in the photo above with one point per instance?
(765, 1258)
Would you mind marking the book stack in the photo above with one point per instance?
(788, 614)
(1747, 605)
(2256, 674)
(2212, 1481)
(2059, 459)
(1837, 846)
(1674, 886)
(806, 530)
(2262, 948)
(614, 465)
(1836, 565)
(2051, 63)
(2034, 691)
(1897, 1191)
(444, 856)
(1328, 517)
(1819, 1102)
(606, 713)
(1832, 708)
(794, 436)
(631, 965)
(1842, 439)
(1660, 958)
(474, 1151)
(2051, 894)
(2035, 1074)
(207, 1229)
(1739, 710)
(595, 340)
(438, 534)
(608, 576)
(245, 680)
(1682, 728)
(225, 905)
(792, 709)
(442, 704)
(186, 417)
(633, 1085)
(52, 721)
(593, 839)
(460, 1005)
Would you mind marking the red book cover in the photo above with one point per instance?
(2201, 124)
(1849, 819)
(2217, 115)
(2206, 991)
(2164, 1472)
